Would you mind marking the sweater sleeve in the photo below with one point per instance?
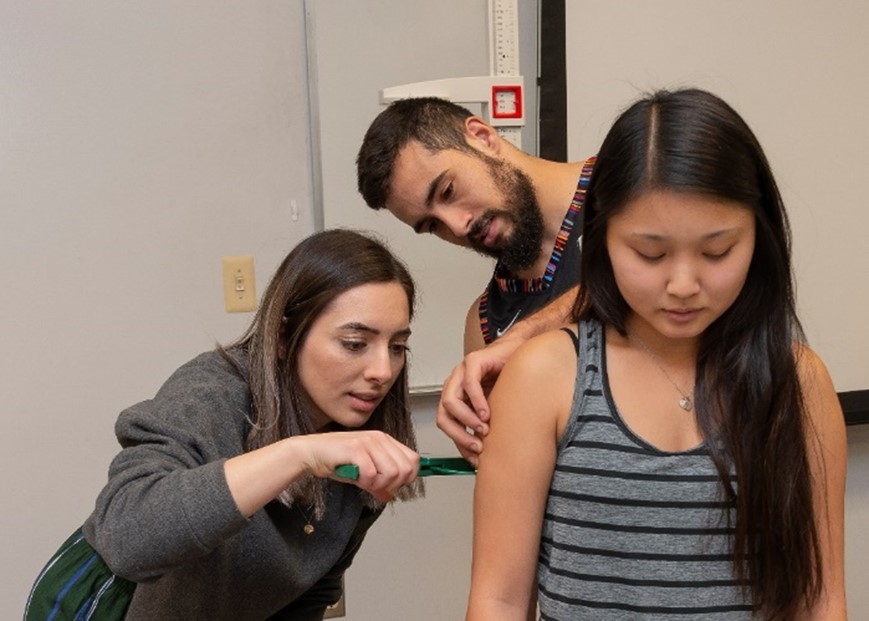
(167, 500)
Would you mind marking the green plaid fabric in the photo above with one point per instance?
(76, 585)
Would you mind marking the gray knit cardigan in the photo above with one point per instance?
(167, 521)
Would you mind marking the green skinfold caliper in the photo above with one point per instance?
(428, 466)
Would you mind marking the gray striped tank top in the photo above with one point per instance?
(631, 532)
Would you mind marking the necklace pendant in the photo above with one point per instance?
(309, 528)
(686, 404)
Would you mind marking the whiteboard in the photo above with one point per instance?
(796, 71)
(356, 49)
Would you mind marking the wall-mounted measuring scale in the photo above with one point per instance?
(504, 36)
(500, 93)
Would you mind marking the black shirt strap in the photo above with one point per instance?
(574, 338)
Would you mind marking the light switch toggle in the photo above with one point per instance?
(239, 285)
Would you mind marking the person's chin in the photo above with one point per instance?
(683, 324)
(486, 251)
(354, 421)
(355, 418)
(516, 265)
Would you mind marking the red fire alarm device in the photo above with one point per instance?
(507, 102)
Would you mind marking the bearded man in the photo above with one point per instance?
(444, 171)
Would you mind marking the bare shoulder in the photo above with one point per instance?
(827, 450)
(819, 395)
(547, 355)
(538, 377)
(541, 375)
(814, 377)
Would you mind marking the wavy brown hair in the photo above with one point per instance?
(749, 403)
(314, 273)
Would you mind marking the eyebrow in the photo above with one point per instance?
(433, 187)
(712, 235)
(361, 327)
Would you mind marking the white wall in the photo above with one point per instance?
(139, 143)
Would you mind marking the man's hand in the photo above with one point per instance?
(463, 411)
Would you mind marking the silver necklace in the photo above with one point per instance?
(686, 403)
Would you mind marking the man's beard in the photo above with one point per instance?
(522, 248)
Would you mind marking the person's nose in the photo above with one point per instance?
(379, 367)
(684, 280)
(457, 222)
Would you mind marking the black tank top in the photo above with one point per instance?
(507, 300)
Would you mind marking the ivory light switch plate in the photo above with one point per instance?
(239, 284)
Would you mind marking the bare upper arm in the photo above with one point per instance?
(827, 448)
(826, 439)
(473, 334)
(532, 395)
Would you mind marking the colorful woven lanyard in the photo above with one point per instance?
(539, 283)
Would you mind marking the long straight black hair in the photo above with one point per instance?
(749, 403)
